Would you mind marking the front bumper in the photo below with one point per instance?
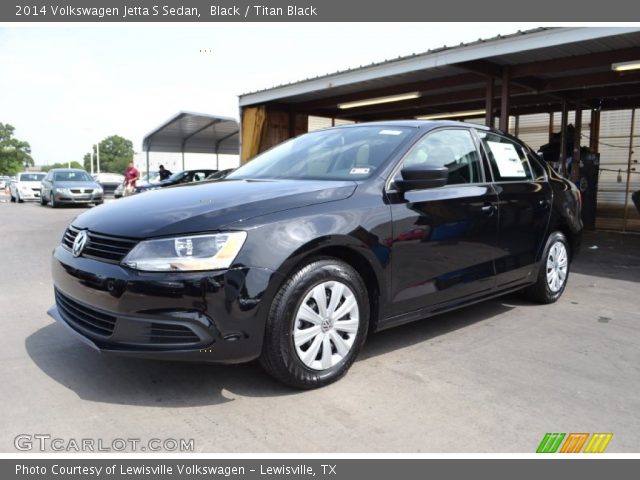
(214, 316)
(77, 199)
(29, 194)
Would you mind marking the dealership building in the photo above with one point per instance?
(578, 87)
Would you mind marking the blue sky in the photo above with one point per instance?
(66, 87)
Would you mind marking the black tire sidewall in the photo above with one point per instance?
(284, 309)
(553, 239)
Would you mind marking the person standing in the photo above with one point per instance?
(164, 173)
(131, 176)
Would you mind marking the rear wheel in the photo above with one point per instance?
(553, 271)
(317, 324)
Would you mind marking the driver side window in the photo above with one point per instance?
(452, 148)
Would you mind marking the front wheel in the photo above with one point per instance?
(317, 324)
(553, 271)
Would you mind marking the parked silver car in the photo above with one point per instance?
(26, 186)
(70, 186)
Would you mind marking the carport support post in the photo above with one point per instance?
(504, 101)
(594, 131)
(147, 165)
(182, 159)
(550, 126)
(627, 190)
(575, 164)
(563, 138)
(488, 106)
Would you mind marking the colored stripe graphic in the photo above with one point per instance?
(574, 443)
(550, 443)
(598, 443)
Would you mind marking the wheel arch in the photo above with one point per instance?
(360, 259)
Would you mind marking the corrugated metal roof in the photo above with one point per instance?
(517, 48)
(195, 133)
(404, 57)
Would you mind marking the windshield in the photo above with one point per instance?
(351, 153)
(31, 177)
(175, 176)
(72, 177)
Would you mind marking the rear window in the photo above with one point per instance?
(31, 177)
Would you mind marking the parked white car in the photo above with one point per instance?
(26, 186)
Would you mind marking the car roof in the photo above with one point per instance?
(422, 124)
(68, 170)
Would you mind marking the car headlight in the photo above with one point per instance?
(186, 253)
(97, 190)
(62, 191)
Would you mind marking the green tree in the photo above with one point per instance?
(73, 164)
(115, 154)
(15, 154)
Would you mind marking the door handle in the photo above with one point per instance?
(488, 209)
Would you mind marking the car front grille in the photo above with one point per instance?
(81, 190)
(84, 318)
(100, 325)
(166, 333)
(103, 247)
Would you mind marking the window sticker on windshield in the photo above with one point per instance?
(390, 132)
(507, 159)
(359, 171)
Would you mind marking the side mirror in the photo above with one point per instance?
(419, 177)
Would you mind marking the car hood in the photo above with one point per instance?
(207, 206)
(36, 184)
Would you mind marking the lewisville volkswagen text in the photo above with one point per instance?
(298, 254)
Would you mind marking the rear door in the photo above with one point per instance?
(524, 208)
(444, 238)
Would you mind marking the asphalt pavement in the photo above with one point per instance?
(494, 377)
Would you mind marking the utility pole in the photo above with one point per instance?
(91, 160)
(98, 156)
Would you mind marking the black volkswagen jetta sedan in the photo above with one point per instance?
(297, 255)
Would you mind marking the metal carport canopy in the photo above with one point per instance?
(189, 132)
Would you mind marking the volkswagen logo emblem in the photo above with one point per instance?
(79, 243)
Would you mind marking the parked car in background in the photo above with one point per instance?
(179, 178)
(108, 181)
(153, 177)
(26, 186)
(220, 174)
(64, 186)
(4, 182)
(119, 191)
(294, 257)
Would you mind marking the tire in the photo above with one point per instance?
(98, 203)
(52, 202)
(43, 201)
(18, 199)
(307, 365)
(553, 271)
(13, 199)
